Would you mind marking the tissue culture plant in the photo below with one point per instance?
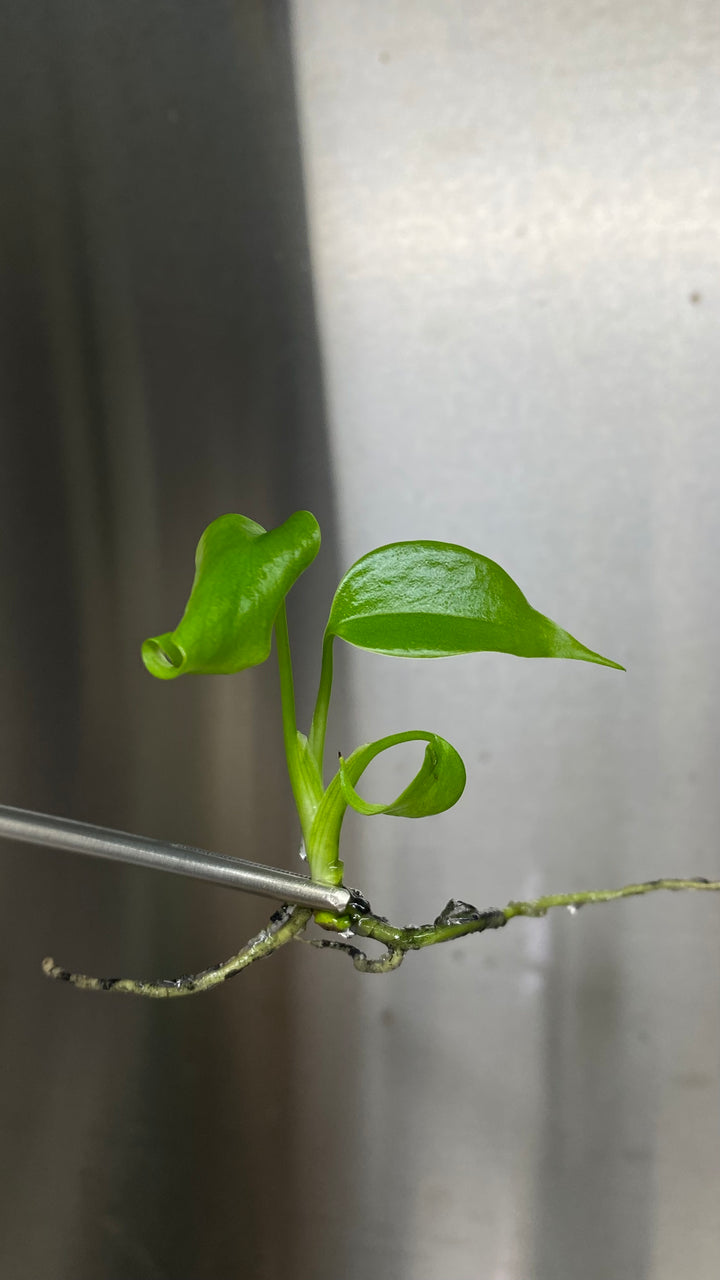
(407, 600)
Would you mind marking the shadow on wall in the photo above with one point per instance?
(159, 366)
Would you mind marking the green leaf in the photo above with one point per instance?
(242, 575)
(437, 785)
(436, 600)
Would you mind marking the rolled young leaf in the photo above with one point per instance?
(242, 575)
(436, 600)
(437, 786)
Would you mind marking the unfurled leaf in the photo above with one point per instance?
(242, 575)
(437, 785)
(436, 600)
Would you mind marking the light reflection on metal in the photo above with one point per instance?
(179, 859)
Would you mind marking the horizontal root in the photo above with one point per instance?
(283, 925)
(392, 959)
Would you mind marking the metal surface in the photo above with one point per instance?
(514, 211)
(158, 367)
(157, 855)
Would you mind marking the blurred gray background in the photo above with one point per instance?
(431, 270)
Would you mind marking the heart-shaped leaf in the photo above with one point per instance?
(242, 575)
(435, 600)
(437, 786)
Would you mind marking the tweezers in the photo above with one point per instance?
(182, 860)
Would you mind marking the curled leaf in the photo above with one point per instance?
(436, 600)
(242, 575)
(437, 786)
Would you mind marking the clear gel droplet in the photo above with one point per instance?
(457, 912)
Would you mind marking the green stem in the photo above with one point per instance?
(307, 788)
(318, 728)
(414, 937)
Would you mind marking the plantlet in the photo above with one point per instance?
(407, 600)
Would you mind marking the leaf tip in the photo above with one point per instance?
(163, 657)
(608, 662)
(560, 644)
(588, 655)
